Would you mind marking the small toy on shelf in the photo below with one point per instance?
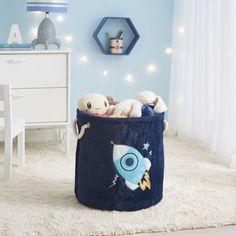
(116, 46)
(116, 43)
(120, 34)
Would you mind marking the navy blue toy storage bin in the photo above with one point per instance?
(120, 162)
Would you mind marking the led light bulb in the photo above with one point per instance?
(83, 59)
(38, 13)
(68, 38)
(105, 73)
(181, 30)
(34, 32)
(151, 69)
(129, 78)
(60, 18)
(169, 50)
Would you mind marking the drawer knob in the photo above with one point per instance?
(16, 96)
(12, 61)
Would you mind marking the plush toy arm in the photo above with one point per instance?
(118, 111)
(110, 110)
(136, 110)
(129, 108)
(166, 125)
(160, 106)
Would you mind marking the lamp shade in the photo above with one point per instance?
(47, 5)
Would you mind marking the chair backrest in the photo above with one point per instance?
(6, 106)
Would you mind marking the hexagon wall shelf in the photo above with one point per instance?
(112, 25)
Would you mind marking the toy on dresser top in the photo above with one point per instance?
(146, 103)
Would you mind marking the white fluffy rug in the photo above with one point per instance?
(40, 200)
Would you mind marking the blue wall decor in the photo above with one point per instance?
(131, 34)
(147, 67)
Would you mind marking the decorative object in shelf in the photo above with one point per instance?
(123, 42)
(116, 43)
(46, 31)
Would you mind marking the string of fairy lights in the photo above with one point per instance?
(151, 68)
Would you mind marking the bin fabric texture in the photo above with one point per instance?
(120, 162)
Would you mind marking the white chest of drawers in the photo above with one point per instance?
(42, 80)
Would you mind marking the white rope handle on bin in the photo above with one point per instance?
(79, 135)
(166, 125)
(76, 132)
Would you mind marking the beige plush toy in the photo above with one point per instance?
(149, 98)
(112, 101)
(95, 104)
(128, 108)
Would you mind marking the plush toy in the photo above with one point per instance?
(111, 100)
(147, 110)
(129, 108)
(149, 98)
(95, 104)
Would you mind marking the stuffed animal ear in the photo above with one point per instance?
(80, 104)
(160, 106)
(166, 125)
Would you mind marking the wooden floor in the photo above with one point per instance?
(223, 231)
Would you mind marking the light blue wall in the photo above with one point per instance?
(152, 19)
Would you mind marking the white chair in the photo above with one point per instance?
(10, 128)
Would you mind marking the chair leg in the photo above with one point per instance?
(8, 159)
(21, 149)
